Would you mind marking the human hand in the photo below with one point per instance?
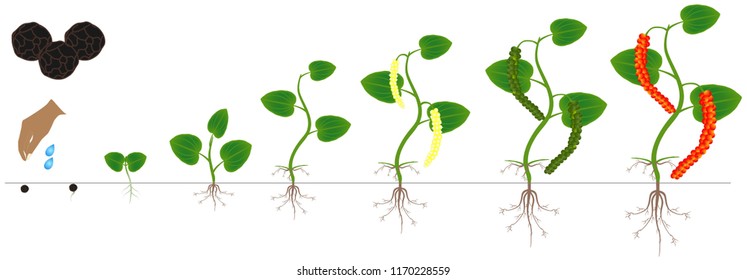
(36, 127)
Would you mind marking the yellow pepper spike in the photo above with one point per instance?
(393, 84)
(437, 135)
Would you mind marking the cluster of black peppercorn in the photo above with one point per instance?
(573, 140)
(513, 81)
(58, 59)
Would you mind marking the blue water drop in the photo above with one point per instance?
(48, 164)
(50, 151)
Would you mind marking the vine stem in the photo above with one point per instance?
(414, 125)
(305, 135)
(670, 121)
(209, 158)
(544, 120)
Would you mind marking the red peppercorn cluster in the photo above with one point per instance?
(641, 58)
(706, 137)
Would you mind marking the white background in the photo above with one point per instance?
(167, 67)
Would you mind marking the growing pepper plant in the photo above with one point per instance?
(710, 102)
(442, 117)
(578, 109)
(328, 128)
(188, 148)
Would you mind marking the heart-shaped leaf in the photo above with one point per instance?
(115, 161)
(565, 31)
(234, 154)
(377, 86)
(452, 114)
(218, 123)
(590, 105)
(498, 74)
(321, 70)
(624, 64)
(725, 99)
(698, 18)
(330, 128)
(433, 46)
(280, 102)
(135, 161)
(187, 148)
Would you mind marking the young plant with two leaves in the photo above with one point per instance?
(442, 117)
(577, 110)
(188, 148)
(130, 163)
(710, 102)
(328, 128)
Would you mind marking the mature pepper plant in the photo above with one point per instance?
(328, 128)
(710, 102)
(188, 148)
(514, 75)
(443, 117)
(130, 163)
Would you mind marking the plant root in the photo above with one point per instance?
(646, 164)
(391, 169)
(213, 192)
(399, 199)
(292, 195)
(654, 211)
(520, 167)
(286, 170)
(131, 191)
(528, 202)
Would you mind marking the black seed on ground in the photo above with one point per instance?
(29, 40)
(24, 189)
(73, 187)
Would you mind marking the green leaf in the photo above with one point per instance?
(218, 123)
(624, 64)
(377, 85)
(565, 31)
(329, 128)
(698, 18)
(187, 148)
(234, 154)
(321, 70)
(115, 161)
(498, 74)
(725, 99)
(433, 46)
(280, 102)
(135, 161)
(452, 114)
(591, 107)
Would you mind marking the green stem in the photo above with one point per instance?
(544, 121)
(656, 27)
(414, 125)
(525, 41)
(665, 72)
(128, 180)
(676, 113)
(305, 135)
(217, 165)
(210, 158)
(538, 82)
